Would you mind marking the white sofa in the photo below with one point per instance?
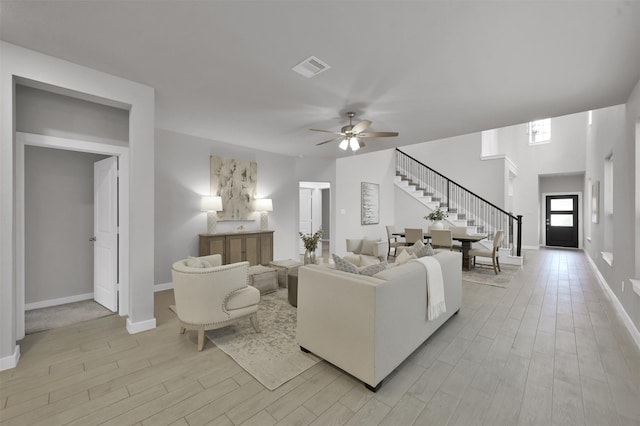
(368, 326)
(364, 251)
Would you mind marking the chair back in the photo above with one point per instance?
(411, 235)
(390, 230)
(441, 238)
(497, 239)
(201, 293)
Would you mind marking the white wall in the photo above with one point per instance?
(458, 158)
(182, 174)
(88, 84)
(377, 167)
(58, 223)
(614, 131)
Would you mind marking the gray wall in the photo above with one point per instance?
(59, 190)
(46, 113)
(58, 223)
(182, 177)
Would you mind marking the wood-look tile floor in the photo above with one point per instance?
(547, 350)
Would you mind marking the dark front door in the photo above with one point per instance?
(562, 220)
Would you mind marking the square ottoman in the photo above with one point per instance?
(263, 278)
(284, 267)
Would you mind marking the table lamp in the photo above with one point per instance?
(263, 205)
(211, 205)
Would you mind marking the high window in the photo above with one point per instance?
(540, 131)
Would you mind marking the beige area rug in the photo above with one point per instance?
(43, 319)
(273, 357)
(486, 275)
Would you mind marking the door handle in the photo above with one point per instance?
(92, 239)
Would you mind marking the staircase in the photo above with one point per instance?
(463, 207)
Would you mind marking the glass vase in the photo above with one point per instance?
(309, 257)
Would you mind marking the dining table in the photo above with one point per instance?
(466, 241)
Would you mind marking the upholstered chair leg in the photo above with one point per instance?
(200, 339)
(498, 263)
(254, 322)
(182, 330)
(495, 269)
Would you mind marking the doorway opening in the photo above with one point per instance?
(315, 214)
(561, 221)
(118, 201)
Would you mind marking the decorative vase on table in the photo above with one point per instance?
(309, 257)
(437, 225)
(436, 216)
(310, 244)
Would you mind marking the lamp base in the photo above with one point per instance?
(264, 221)
(212, 219)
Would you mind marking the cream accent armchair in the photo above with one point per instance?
(363, 252)
(210, 298)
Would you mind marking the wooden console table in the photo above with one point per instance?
(256, 247)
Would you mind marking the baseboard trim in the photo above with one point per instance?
(139, 327)
(163, 287)
(635, 334)
(531, 247)
(11, 361)
(59, 301)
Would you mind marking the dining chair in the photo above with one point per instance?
(442, 238)
(394, 242)
(411, 235)
(493, 253)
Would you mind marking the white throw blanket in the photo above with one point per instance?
(435, 287)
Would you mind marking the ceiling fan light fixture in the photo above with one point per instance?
(353, 143)
(344, 144)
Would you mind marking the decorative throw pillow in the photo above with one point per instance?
(415, 247)
(194, 262)
(344, 265)
(404, 257)
(368, 246)
(353, 258)
(373, 269)
(367, 260)
(427, 250)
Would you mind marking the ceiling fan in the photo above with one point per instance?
(351, 135)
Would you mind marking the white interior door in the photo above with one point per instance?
(305, 213)
(105, 223)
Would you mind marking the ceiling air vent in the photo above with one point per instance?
(310, 67)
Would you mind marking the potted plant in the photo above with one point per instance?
(310, 244)
(437, 216)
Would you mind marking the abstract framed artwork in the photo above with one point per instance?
(235, 182)
(370, 196)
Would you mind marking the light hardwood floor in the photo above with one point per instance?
(549, 349)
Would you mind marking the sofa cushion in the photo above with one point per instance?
(366, 260)
(371, 270)
(415, 247)
(352, 258)
(344, 265)
(368, 246)
(194, 262)
(404, 257)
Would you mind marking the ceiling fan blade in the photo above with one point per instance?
(330, 140)
(361, 126)
(378, 134)
(326, 131)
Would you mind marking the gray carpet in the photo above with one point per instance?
(42, 319)
(273, 357)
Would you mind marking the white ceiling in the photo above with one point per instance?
(426, 69)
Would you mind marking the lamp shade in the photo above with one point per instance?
(263, 205)
(211, 204)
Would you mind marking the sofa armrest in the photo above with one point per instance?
(381, 250)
